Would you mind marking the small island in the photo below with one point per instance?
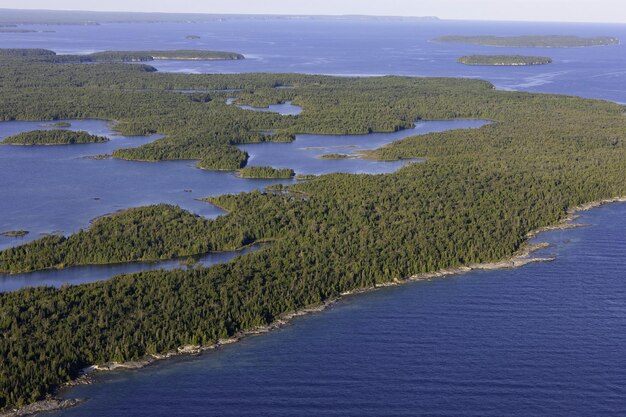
(504, 60)
(191, 37)
(546, 41)
(53, 137)
(57, 124)
(266, 173)
(14, 233)
(335, 156)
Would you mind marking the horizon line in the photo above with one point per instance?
(344, 15)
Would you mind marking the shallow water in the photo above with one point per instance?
(548, 339)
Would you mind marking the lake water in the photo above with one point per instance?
(547, 339)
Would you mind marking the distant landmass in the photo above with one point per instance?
(45, 55)
(504, 60)
(546, 41)
(73, 17)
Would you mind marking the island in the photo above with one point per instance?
(14, 233)
(266, 172)
(191, 37)
(335, 156)
(545, 41)
(474, 200)
(57, 124)
(53, 137)
(45, 55)
(504, 60)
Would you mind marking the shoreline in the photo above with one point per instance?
(521, 258)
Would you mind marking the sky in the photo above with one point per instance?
(529, 10)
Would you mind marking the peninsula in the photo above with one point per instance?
(545, 41)
(504, 60)
(266, 172)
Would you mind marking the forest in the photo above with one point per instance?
(53, 137)
(504, 60)
(266, 172)
(474, 199)
(45, 55)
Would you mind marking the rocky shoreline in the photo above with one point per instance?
(521, 258)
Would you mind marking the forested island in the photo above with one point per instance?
(45, 55)
(14, 233)
(335, 156)
(504, 60)
(53, 137)
(474, 199)
(544, 41)
(57, 124)
(266, 172)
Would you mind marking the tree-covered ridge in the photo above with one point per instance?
(533, 41)
(266, 172)
(504, 60)
(53, 137)
(474, 199)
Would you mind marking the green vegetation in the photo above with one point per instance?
(14, 233)
(335, 156)
(546, 41)
(266, 172)
(44, 55)
(305, 177)
(129, 56)
(53, 137)
(474, 199)
(57, 124)
(505, 60)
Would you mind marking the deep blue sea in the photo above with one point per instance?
(547, 339)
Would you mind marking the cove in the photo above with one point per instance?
(92, 273)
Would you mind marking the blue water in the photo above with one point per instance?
(360, 48)
(544, 340)
(286, 108)
(91, 273)
(59, 189)
(548, 339)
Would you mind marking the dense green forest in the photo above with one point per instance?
(509, 60)
(53, 137)
(533, 41)
(266, 172)
(474, 199)
(45, 55)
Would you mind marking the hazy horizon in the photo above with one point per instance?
(583, 11)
